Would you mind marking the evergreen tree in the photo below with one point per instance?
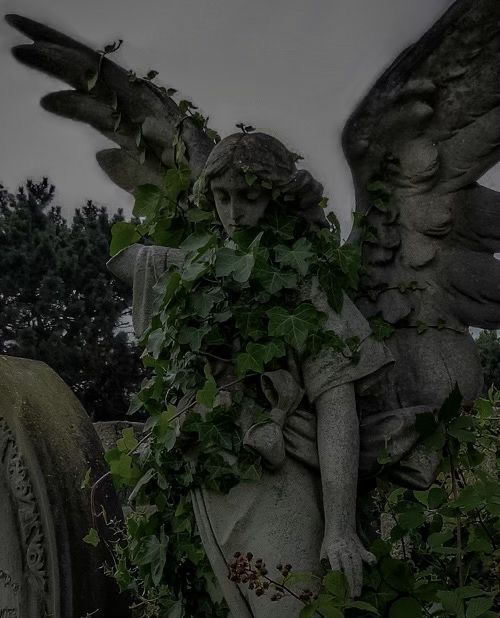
(59, 304)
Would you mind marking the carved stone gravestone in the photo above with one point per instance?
(47, 445)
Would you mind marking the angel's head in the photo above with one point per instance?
(243, 173)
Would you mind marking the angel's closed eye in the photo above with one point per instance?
(221, 195)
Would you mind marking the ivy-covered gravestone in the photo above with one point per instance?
(48, 448)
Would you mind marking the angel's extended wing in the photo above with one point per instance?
(417, 144)
(134, 113)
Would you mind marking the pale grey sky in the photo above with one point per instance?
(294, 68)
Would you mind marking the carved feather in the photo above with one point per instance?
(427, 130)
(136, 115)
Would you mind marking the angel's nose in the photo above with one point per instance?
(237, 212)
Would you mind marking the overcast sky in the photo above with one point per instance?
(294, 68)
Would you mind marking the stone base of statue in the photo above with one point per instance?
(47, 447)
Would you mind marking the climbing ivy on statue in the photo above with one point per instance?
(441, 554)
(226, 288)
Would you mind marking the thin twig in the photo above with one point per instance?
(460, 565)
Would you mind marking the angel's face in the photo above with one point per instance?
(239, 205)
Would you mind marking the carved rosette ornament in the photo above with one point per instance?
(31, 533)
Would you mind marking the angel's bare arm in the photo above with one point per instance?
(338, 451)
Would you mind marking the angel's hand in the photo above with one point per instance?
(345, 553)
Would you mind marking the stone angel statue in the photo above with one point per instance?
(417, 144)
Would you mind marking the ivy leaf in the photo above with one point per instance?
(203, 303)
(166, 429)
(436, 497)
(142, 482)
(220, 429)
(437, 543)
(206, 395)
(298, 257)
(250, 471)
(250, 323)
(231, 262)
(123, 234)
(257, 355)
(281, 225)
(381, 330)
(251, 360)
(478, 606)
(128, 442)
(328, 607)
(407, 607)
(197, 241)
(196, 215)
(272, 279)
(177, 180)
(122, 467)
(457, 431)
(330, 284)
(349, 261)
(452, 406)
(336, 584)
(452, 602)
(92, 538)
(168, 285)
(193, 336)
(153, 552)
(411, 519)
(193, 271)
(296, 326)
(155, 342)
(148, 199)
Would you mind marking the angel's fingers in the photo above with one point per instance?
(348, 570)
(357, 569)
(353, 567)
(367, 556)
(335, 563)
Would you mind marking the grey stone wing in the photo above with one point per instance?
(425, 133)
(134, 113)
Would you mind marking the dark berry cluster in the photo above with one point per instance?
(243, 570)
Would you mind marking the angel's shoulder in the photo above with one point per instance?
(346, 323)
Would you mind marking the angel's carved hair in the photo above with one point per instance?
(267, 158)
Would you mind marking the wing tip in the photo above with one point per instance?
(19, 22)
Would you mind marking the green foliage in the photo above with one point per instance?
(58, 302)
(441, 552)
(226, 291)
(92, 538)
(442, 556)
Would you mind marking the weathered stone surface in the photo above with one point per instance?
(47, 444)
(111, 431)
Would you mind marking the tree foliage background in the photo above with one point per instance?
(59, 304)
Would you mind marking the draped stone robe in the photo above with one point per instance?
(280, 516)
